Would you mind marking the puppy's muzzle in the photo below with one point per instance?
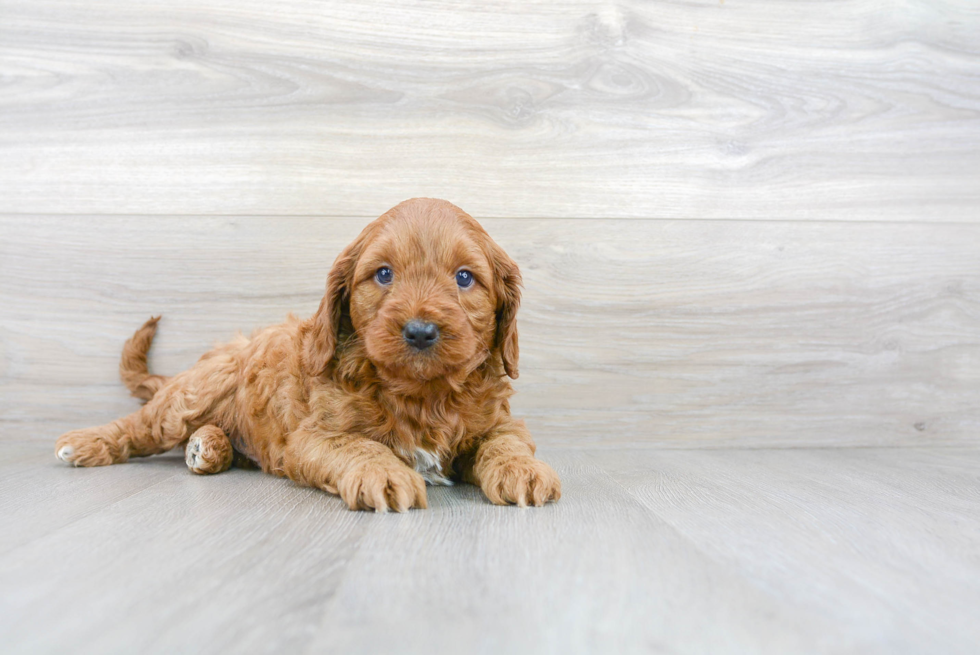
(420, 334)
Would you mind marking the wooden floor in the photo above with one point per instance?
(692, 551)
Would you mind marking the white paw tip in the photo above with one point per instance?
(66, 453)
(191, 452)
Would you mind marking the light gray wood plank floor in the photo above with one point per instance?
(798, 550)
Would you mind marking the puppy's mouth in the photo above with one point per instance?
(420, 356)
(429, 361)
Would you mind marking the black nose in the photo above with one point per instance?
(420, 334)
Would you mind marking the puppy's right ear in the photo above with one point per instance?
(320, 341)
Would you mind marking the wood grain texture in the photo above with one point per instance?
(825, 551)
(884, 542)
(745, 109)
(670, 333)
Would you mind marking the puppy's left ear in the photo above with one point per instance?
(320, 342)
(507, 288)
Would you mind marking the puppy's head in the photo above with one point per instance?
(426, 290)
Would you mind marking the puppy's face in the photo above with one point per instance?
(428, 292)
(422, 298)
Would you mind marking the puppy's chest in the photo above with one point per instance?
(426, 434)
(430, 465)
(428, 448)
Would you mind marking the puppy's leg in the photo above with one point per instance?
(175, 411)
(366, 474)
(503, 465)
(208, 451)
(111, 443)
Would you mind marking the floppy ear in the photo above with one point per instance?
(320, 342)
(507, 288)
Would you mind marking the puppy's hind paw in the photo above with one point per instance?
(87, 447)
(208, 451)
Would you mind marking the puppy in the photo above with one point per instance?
(398, 379)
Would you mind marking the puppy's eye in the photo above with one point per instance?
(384, 275)
(464, 279)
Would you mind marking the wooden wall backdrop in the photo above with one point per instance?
(741, 222)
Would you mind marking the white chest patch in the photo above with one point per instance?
(430, 468)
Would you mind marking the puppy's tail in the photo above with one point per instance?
(132, 367)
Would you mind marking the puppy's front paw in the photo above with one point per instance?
(87, 448)
(519, 481)
(380, 486)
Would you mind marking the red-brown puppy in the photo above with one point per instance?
(399, 378)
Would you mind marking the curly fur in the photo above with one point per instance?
(339, 401)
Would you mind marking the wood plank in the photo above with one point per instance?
(244, 562)
(593, 573)
(859, 111)
(884, 542)
(817, 551)
(37, 498)
(666, 332)
(189, 564)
